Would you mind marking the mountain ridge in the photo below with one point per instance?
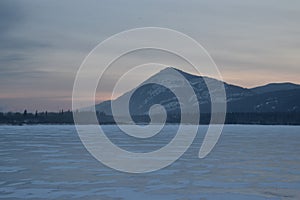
(272, 97)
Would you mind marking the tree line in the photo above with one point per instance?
(66, 117)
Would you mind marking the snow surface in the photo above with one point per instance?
(249, 162)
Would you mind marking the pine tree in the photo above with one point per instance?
(25, 113)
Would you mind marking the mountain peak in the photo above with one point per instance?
(169, 70)
(274, 97)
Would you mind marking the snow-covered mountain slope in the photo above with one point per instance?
(270, 98)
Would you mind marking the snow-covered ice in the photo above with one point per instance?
(248, 162)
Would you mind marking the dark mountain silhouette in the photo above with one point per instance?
(272, 87)
(274, 98)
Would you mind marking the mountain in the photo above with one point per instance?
(272, 87)
(274, 98)
(278, 101)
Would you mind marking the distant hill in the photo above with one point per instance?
(278, 101)
(274, 97)
(273, 87)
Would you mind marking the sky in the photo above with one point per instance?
(43, 43)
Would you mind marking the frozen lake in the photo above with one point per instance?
(248, 162)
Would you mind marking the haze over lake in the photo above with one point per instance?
(248, 162)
